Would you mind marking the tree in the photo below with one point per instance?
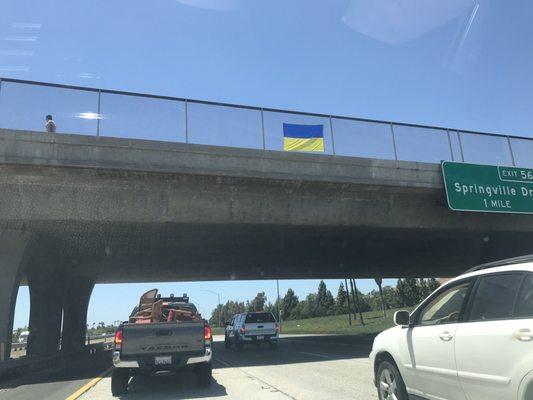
(217, 315)
(324, 300)
(425, 291)
(379, 282)
(373, 300)
(408, 291)
(224, 313)
(414, 290)
(391, 298)
(309, 306)
(433, 284)
(341, 300)
(401, 286)
(17, 332)
(329, 304)
(258, 303)
(269, 307)
(288, 304)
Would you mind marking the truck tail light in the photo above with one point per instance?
(243, 329)
(118, 338)
(277, 327)
(208, 333)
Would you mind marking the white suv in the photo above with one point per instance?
(252, 328)
(472, 339)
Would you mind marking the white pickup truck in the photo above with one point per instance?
(252, 328)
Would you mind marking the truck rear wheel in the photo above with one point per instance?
(227, 343)
(204, 375)
(119, 381)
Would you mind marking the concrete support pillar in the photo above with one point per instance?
(47, 287)
(75, 306)
(15, 247)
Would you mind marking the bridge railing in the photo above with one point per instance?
(89, 111)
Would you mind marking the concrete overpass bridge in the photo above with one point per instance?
(76, 210)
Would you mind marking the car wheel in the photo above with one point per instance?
(204, 374)
(119, 381)
(390, 383)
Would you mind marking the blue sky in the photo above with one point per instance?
(459, 63)
(115, 301)
(304, 54)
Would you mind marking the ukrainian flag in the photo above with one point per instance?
(303, 137)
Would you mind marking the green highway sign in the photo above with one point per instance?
(488, 188)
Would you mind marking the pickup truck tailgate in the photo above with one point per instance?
(263, 328)
(163, 338)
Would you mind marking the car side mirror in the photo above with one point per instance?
(402, 318)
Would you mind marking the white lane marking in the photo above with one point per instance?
(314, 354)
(227, 364)
(224, 363)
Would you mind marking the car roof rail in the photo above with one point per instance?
(501, 263)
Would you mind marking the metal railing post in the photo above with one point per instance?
(332, 137)
(98, 114)
(450, 143)
(393, 141)
(186, 122)
(263, 128)
(461, 146)
(511, 151)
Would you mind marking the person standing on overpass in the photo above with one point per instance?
(50, 124)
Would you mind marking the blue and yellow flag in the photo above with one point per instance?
(303, 137)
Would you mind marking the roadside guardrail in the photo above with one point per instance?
(25, 364)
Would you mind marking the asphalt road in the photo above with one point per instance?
(50, 387)
(303, 367)
(55, 384)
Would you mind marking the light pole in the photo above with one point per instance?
(279, 312)
(218, 296)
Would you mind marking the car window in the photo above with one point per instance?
(495, 297)
(524, 304)
(446, 307)
(259, 317)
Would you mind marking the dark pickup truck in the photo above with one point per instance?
(162, 334)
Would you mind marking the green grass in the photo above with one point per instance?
(218, 330)
(336, 324)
